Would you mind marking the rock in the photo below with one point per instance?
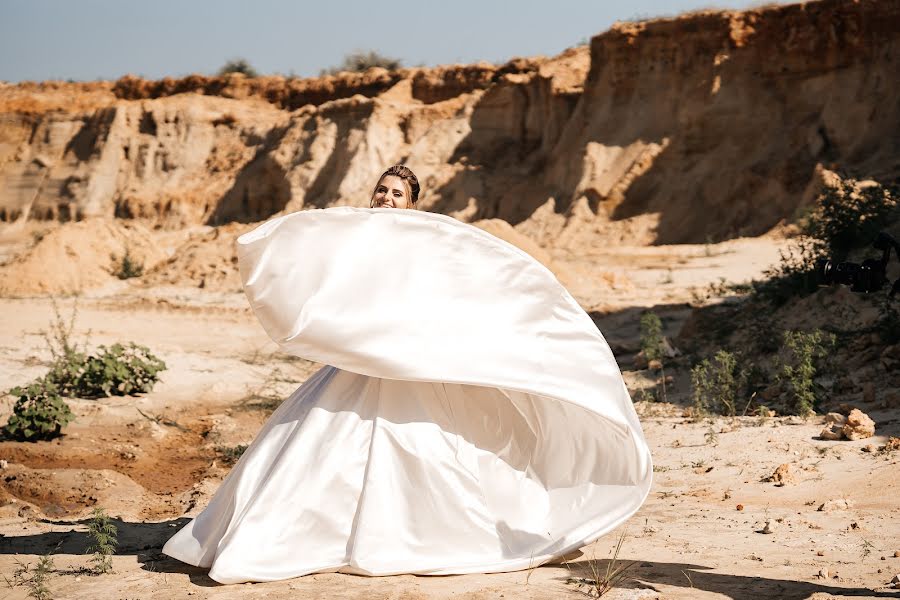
(655, 365)
(832, 431)
(870, 448)
(868, 392)
(890, 358)
(891, 400)
(893, 444)
(895, 581)
(822, 574)
(668, 349)
(782, 476)
(769, 527)
(858, 426)
(3, 464)
(837, 418)
(836, 504)
(640, 361)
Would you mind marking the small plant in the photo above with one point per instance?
(103, 535)
(651, 336)
(127, 267)
(711, 437)
(716, 384)
(231, 454)
(602, 581)
(802, 351)
(238, 65)
(35, 580)
(40, 413)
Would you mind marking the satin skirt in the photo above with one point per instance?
(495, 437)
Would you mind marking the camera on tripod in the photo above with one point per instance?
(868, 276)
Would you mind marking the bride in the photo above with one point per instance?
(471, 419)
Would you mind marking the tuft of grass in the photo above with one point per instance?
(602, 581)
(103, 535)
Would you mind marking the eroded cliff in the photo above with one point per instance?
(700, 127)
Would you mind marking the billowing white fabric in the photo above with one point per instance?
(472, 419)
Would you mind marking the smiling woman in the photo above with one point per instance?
(398, 187)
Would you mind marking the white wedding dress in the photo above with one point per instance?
(474, 419)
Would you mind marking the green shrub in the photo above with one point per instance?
(231, 454)
(238, 65)
(717, 384)
(40, 413)
(103, 535)
(651, 336)
(799, 366)
(846, 216)
(119, 370)
(127, 266)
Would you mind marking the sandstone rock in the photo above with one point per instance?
(782, 476)
(835, 418)
(836, 504)
(832, 432)
(858, 426)
(655, 365)
(769, 527)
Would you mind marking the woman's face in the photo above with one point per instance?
(391, 192)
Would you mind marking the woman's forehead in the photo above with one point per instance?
(392, 182)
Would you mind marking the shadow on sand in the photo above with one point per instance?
(647, 575)
(145, 540)
(141, 540)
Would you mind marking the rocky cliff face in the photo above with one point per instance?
(705, 126)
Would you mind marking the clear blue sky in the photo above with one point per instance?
(91, 39)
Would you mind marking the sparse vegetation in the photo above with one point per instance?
(801, 354)
(40, 412)
(716, 384)
(34, 579)
(103, 535)
(602, 581)
(127, 267)
(361, 61)
(847, 215)
(238, 65)
(231, 454)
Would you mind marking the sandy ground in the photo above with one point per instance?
(152, 461)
